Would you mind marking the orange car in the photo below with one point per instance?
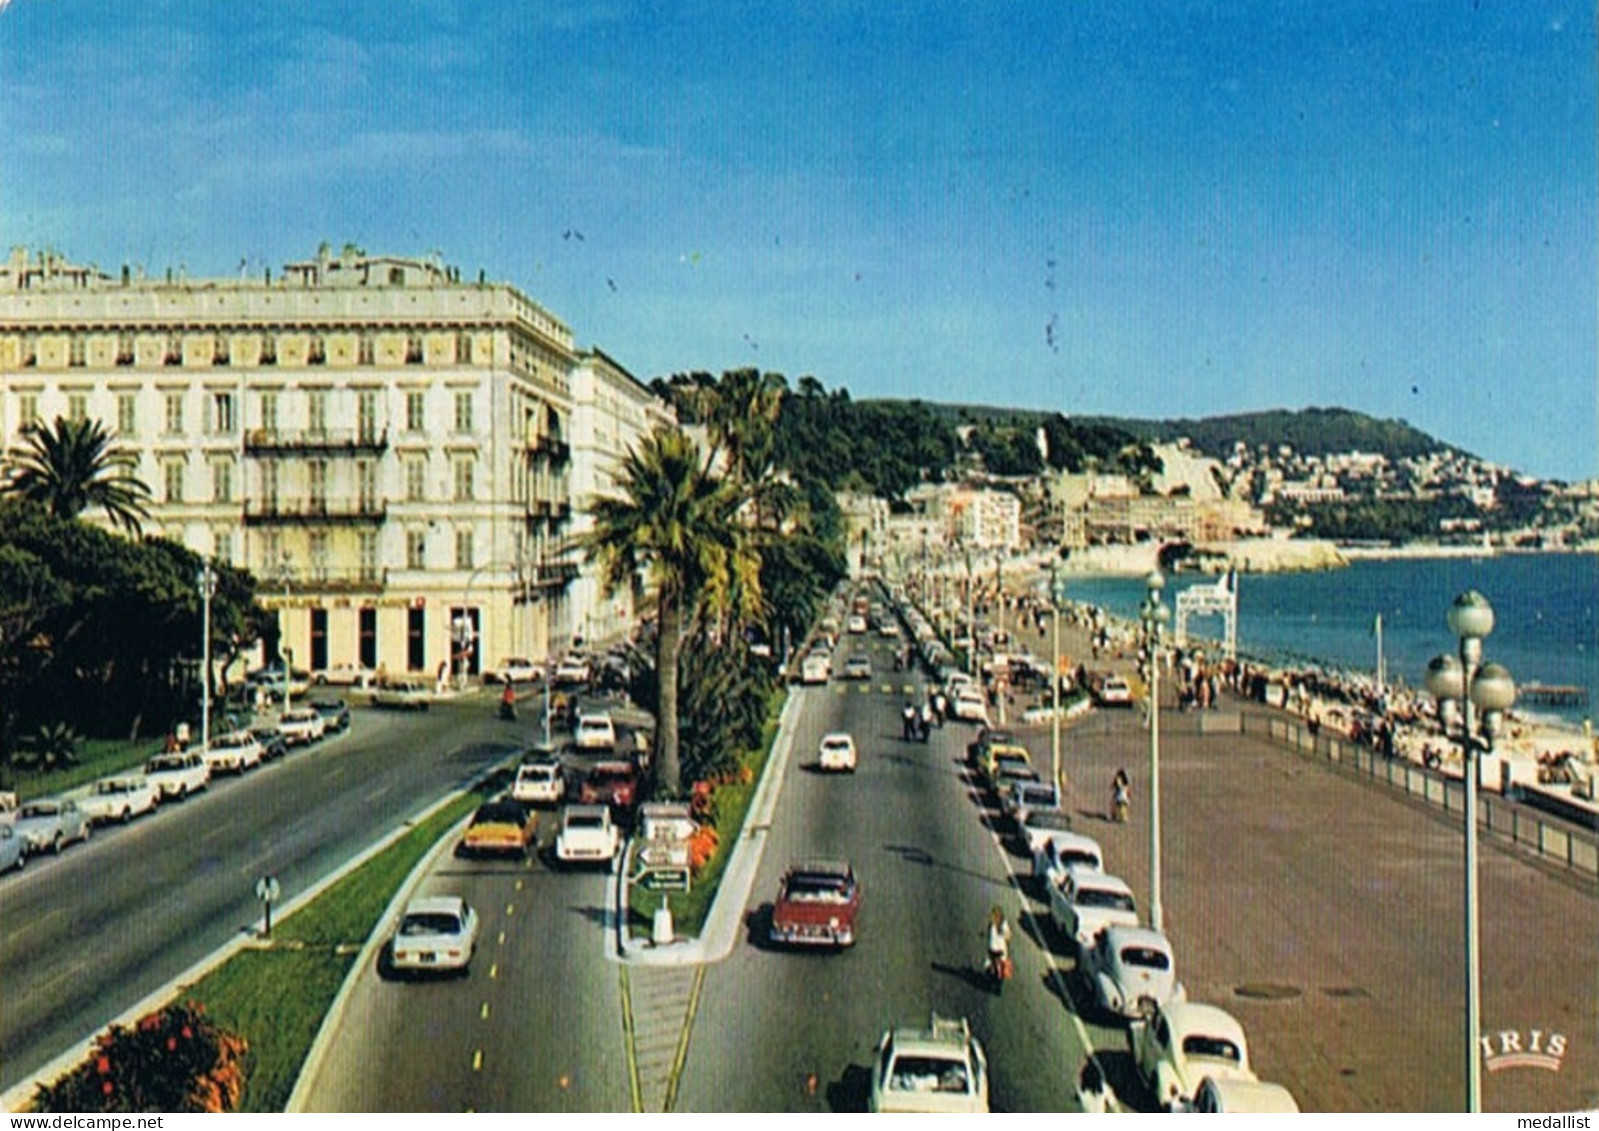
(501, 828)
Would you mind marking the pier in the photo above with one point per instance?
(1553, 695)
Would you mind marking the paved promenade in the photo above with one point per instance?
(1325, 912)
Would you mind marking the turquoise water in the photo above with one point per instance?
(1546, 610)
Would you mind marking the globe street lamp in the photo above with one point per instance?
(1154, 615)
(206, 579)
(1470, 683)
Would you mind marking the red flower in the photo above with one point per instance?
(102, 1065)
(106, 1088)
(188, 1033)
(172, 1044)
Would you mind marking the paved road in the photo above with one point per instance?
(784, 1031)
(85, 936)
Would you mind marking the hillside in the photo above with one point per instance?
(1309, 431)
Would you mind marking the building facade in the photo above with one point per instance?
(386, 447)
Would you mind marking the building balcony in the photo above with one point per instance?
(323, 579)
(277, 442)
(314, 512)
(552, 575)
(551, 448)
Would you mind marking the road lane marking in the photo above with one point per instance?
(483, 1014)
(477, 1060)
(519, 885)
(501, 939)
(682, 1042)
(510, 909)
(494, 970)
(628, 1042)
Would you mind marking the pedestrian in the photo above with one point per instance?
(909, 717)
(927, 720)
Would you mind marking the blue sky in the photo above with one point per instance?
(1127, 207)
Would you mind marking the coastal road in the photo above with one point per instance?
(85, 936)
(783, 1031)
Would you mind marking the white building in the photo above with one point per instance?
(388, 448)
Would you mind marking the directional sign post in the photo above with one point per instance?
(267, 891)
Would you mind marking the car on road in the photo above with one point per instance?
(435, 933)
(588, 835)
(13, 849)
(500, 828)
(613, 782)
(573, 671)
(1129, 971)
(1184, 1042)
(234, 752)
(335, 714)
(1085, 902)
(856, 624)
(817, 905)
(273, 744)
(514, 669)
(539, 782)
(990, 754)
(977, 750)
(343, 675)
(816, 667)
(1110, 690)
(837, 752)
(403, 695)
(940, 1069)
(595, 731)
(1061, 850)
(179, 774)
(120, 798)
(1038, 825)
(1224, 1097)
(302, 726)
(269, 680)
(858, 667)
(51, 823)
(969, 705)
(1023, 798)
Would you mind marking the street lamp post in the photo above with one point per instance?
(1154, 615)
(1471, 683)
(206, 579)
(1055, 597)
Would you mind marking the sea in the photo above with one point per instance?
(1546, 617)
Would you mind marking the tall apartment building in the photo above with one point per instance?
(611, 413)
(386, 447)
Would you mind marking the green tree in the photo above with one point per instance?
(674, 522)
(73, 466)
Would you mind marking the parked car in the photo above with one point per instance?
(51, 823)
(1061, 851)
(1022, 798)
(991, 754)
(539, 782)
(1221, 1097)
(302, 726)
(13, 849)
(969, 705)
(500, 828)
(817, 905)
(858, 668)
(514, 669)
(613, 782)
(178, 775)
(977, 750)
(343, 675)
(335, 714)
(587, 835)
(403, 695)
(1086, 901)
(270, 680)
(1038, 825)
(856, 624)
(816, 667)
(120, 798)
(1129, 971)
(595, 731)
(1110, 690)
(1009, 774)
(837, 752)
(273, 744)
(234, 752)
(940, 1069)
(435, 933)
(1181, 1044)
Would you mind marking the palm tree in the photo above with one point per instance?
(675, 522)
(73, 466)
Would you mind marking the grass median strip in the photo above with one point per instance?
(276, 996)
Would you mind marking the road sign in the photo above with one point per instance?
(267, 891)
(665, 879)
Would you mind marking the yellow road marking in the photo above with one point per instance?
(501, 939)
(477, 1060)
(494, 969)
(484, 1012)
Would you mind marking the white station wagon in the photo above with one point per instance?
(940, 1069)
(1086, 901)
(120, 799)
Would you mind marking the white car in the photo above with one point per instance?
(572, 670)
(1224, 1097)
(539, 782)
(595, 732)
(816, 667)
(1059, 850)
(837, 752)
(302, 726)
(939, 1069)
(178, 775)
(435, 933)
(1086, 901)
(51, 823)
(515, 669)
(969, 705)
(587, 835)
(858, 667)
(1021, 798)
(857, 624)
(234, 752)
(120, 799)
(1182, 1044)
(1111, 691)
(1130, 971)
(404, 695)
(342, 675)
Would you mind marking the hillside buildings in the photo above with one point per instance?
(393, 451)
